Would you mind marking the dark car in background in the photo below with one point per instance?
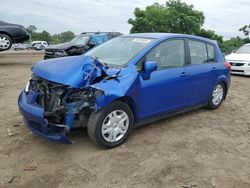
(11, 33)
(79, 45)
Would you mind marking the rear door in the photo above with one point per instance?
(202, 69)
(167, 89)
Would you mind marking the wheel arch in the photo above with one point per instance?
(9, 35)
(223, 80)
(131, 103)
(226, 88)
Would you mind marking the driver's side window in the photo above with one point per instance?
(168, 54)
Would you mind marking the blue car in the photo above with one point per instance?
(126, 82)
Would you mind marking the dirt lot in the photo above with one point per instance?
(198, 149)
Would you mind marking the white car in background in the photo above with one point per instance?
(39, 45)
(240, 60)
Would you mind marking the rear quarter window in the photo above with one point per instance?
(201, 52)
(210, 53)
(198, 52)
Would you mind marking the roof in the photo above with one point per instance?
(101, 33)
(166, 35)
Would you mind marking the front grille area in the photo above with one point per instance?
(49, 93)
(50, 96)
(237, 64)
(53, 53)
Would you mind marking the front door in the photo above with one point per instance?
(167, 88)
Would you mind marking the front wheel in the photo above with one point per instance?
(217, 96)
(5, 42)
(111, 126)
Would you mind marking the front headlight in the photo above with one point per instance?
(27, 87)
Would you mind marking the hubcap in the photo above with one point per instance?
(115, 126)
(4, 42)
(217, 94)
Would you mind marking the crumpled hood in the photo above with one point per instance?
(238, 57)
(75, 71)
(64, 46)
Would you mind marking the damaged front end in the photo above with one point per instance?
(51, 109)
(62, 94)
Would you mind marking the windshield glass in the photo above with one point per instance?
(80, 39)
(119, 51)
(243, 50)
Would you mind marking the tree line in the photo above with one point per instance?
(46, 36)
(174, 16)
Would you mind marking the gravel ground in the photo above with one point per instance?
(201, 148)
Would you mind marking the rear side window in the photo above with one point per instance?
(198, 52)
(210, 53)
(168, 54)
(201, 52)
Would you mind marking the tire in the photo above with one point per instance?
(213, 103)
(5, 42)
(117, 112)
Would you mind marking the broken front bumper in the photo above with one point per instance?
(35, 121)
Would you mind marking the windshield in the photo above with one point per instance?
(80, 39)
(243, 50)
(119, 51)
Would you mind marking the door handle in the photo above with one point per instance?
(183, 74)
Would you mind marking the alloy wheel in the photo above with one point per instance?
(4, 42)
(217, 94)
(115, 126)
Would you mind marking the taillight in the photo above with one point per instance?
(227, 65)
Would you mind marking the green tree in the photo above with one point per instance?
(63, 37)
(234, 43)
(211, 35)
(174, 17)
(67, 36)
(45, 36)
(31, 29)
(245, 29)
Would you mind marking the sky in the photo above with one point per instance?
(225, 17)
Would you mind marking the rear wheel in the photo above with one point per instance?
(111, 126)
(5, 42)
(217, 96)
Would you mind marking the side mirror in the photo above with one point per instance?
(149, 67)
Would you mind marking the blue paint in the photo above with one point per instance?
(151, 94)
(34, 120)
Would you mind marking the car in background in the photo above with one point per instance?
(126, 82)
(11, 33)
(39, 45)
(240, 60)
(20, 46)
(79, 45)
